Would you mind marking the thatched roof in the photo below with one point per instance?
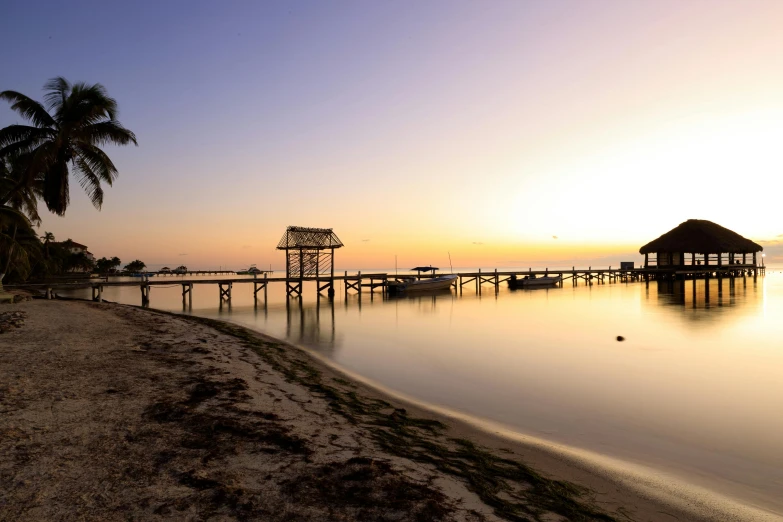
(700, 236)
(309, 238)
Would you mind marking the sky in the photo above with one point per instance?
(500, 133)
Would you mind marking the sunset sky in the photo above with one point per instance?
(508, 133)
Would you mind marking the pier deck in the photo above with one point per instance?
(372, 281)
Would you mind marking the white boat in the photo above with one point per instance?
(417, 284)
(534, 281)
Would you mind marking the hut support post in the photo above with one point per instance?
(331, 276)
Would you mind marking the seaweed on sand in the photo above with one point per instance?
(514, 490)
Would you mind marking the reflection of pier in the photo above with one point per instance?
(704, 293)
(313, 326)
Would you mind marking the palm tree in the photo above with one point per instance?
(48, 237)
(18, 214)
(16, 242)
(26, 192)
(135, 266)
(65, 137)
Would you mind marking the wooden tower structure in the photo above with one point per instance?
(309, 254)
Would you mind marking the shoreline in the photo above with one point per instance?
(666, 495)
(397, 420)
(690, 500)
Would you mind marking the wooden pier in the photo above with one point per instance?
(193, 272)
(609, 275)
(360, 282)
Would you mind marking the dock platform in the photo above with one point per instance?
(360, 282)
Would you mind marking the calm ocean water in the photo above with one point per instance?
(695, 390)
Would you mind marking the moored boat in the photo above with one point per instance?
(417, 284)
(253, 270)
(533, 281)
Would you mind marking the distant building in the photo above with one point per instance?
(76, 248)
(698, 242)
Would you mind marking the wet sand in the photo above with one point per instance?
(110, 411)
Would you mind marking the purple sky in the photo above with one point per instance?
(496, 124)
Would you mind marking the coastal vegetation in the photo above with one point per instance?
(106, 266)
(63, 138)
(135, 266)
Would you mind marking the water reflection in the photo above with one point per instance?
(312, 325)
(706, 293)
(706, 299)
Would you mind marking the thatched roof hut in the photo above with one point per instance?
(309, 252)
(309, 238)
(703, 239)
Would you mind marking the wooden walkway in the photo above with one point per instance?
(193, 272)
(379, 281)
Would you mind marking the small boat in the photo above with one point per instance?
(250, 271)
(416, 284)
(533, 281)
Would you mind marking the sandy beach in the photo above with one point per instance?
(110, 411)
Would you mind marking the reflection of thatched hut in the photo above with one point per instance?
(699, 242)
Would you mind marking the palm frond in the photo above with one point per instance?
(90, 182)
(29, 108)
(10, 216)
(107, 132)
(19, 188)
(57, 95)
(16, 133)
(98, 161)
(90, 103)
(27, 204)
